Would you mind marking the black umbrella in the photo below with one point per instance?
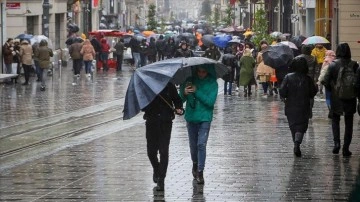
(297, 40)
(208, 40)
(186, 37)
(148, 81)
(278, 55)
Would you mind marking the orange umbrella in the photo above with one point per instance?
(147, 33)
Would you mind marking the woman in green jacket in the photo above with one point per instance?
(199, 92)
(247, 76)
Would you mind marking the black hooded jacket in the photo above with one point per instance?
(343, 57)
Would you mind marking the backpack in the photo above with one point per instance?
(345, 86)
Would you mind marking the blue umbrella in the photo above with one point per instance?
(222, 40)
(24, 36)
(148, 81)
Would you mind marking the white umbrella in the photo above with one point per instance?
(38, 38)
(290, 44)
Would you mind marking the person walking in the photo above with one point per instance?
(319, 53)
(134, 44)
(88, 54)
(170, 48)
(8, 55)
(160, 47)
(230, 61)
(144, 50)
(263, 71)
(26, 53)
(119, 51)
(341, 79)
(184, 50)
(74, 51)
(16, 60)
(212, 52)
(200, 93)
(297, 89)
(247, 64)
(329, 57)
(104, 55)
(159, 115)
(312, 66)
(43, 54)
(151, 53)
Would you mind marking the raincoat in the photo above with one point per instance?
(44, 53)
(247, 65)
(200, 104)
(87, 51)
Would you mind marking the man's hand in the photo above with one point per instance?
(179, 111)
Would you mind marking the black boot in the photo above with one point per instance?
(336, 148)
(160, 185)
(155, 175)
(346, 152)
(194, 170)
(297, 150)
(200, 177)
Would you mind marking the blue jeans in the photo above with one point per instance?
(226, 89)
(88, 65)
(137, 60)
(198, 136)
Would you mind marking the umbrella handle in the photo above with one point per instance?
(183, 111)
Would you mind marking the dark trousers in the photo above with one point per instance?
(349, 119)
(27, 69)
(160, 55)
(119, 61)
(77, 64)
(158, 136)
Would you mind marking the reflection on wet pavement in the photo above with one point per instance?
(249, 152)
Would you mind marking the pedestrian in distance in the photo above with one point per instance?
(43, 54)
(74, 51)
(184, 50)
(247, 76)
(212, 52)
(134, 44)
(104, 55)
(170, 48)
(311, 62)
(159, 115)
(119, 52)
(199, 92)
(144, 51)
(319, 53)
(151, 53)
(341, 78)
(263, 72)
(297, 89)
(160, 47)
(231, 62)
(26, 53)
(329, 57)
(88, 54)
(16, 60)
(8, 55)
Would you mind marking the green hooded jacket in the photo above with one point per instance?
(200, 104)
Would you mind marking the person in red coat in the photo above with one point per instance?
(104, 55)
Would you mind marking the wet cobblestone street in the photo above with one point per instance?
(70, 143)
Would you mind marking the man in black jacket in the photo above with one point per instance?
(160, 47)
(341, 106)
(184, 51)
(159, 115)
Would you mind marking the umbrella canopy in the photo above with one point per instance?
(222, 40)
(148, 81)
(315, 40)
(290, 44)
(208, 39)
(38, 38)
(24, 36)
(237, 41)
(278, 55)
(297, 40)
(148, 33)
(276, 34)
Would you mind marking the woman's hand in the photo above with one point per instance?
(189, 89)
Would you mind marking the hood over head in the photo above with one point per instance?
(299, 65)
(343, 51)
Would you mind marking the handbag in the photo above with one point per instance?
(127, 54)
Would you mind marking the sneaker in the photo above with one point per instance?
(42, 88)
(200, 177)
(237, 89)
(89, 75)
(78, 75)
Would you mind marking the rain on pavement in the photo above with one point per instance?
(70, 143)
